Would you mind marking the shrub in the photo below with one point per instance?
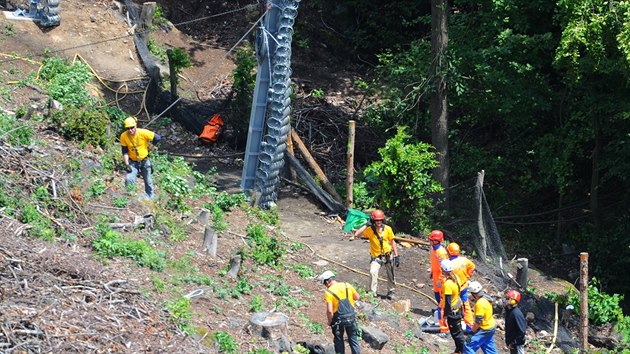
(226, 343)
(17, 133)
(88, 126)
(110, 244)
(402, 181)
(602, 308)
(180, 313)
(66, 82)
(266, 250)
(244, 84)
(227, 201)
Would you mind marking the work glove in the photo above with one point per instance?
(128, 169)
(397, 261)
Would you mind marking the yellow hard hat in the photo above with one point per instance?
(130, 122)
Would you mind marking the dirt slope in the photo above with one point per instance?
(89, 289)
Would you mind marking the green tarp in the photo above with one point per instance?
(355, 220)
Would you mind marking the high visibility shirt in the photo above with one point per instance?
(463, 268)
(483, 313)
(451, 288)
(437, 255)
(339, 289)
(386, 233)
(137, 144)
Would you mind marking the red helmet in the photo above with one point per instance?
(378, 215)
(513, 297)
(436, 235)
(453, 249)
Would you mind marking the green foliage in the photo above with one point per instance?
(304, 271)
(66, 82)
(158, 18)
(401, 181)
(256, 303)
(158, 284)
(400, 349)
(602, 308)
(268, 216)
(266, 351)
(242, 287)
(41, 227)
(226, 201)
(8, 30)
(266, 250)
(317, 93)
(313, 327)
(83, 124)
(96, 189)
(296, 246)
(120, 201)
(276, 285)
(180, 313)
(17, 133)
(157, 50)
(244, 83)
(623, 327)
(180, 60)
(226, 343)
(111, 244)
(288, 303)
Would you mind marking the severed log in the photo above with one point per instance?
(404, 239)
(146, 220)
(324, 197)
(350, 156)
(210, 241)
(235, 266)
(314, 166)
(146, 20)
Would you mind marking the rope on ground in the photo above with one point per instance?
(555, 329)
(366, 274)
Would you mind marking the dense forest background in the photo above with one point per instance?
(538, 97)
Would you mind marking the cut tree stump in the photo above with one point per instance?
(210, 241)
(235, 266)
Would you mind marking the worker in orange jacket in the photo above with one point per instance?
(437, 255)
(464, 268)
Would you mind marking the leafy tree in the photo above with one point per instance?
(402, 182)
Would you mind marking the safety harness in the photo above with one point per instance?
(345, 310)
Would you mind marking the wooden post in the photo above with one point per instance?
(314, 166)
(172, 74)
(291, 151)
(480, 226)
(146, 20)
(584, 301)
(350, 154)
(210, 241)
(521, 272)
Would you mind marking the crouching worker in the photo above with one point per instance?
(340, 298)
(135, 149)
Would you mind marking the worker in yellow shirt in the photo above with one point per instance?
(436, 256)
(464, 268)
(135, 144)
(484, 326)
(451, 305)
(340, 298)
(383, 251)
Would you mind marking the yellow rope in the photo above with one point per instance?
(366, 274)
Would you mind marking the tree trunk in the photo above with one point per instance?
(439, 102)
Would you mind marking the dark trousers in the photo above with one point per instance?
(350, 327)
(455, 327)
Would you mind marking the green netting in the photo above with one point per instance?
(355, 220)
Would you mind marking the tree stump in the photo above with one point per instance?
(235, 266)
(521, 272)
(273, 327)
(210, 241)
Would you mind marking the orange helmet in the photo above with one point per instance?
(453, 249)
(436, 235)
(513, 297)
(378, 215)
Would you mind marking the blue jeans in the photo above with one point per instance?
(350, 327)
(483, 339)
(144, 168)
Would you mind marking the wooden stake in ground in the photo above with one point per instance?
(584, 301)
(290, 150)
(315, 167)
(350, 154)
(521, 272)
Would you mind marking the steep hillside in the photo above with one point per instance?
(91, 266)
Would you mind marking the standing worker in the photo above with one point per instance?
(340, 298)
(452, 305)
(515, 324)
(485, 325)
(383, 251)
(464, 269)
(135, 149)
(436, 256)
